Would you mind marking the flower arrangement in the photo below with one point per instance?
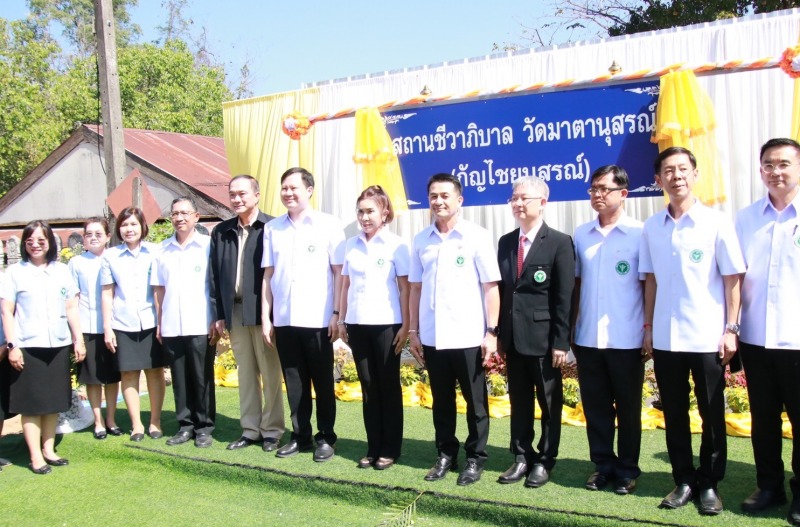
(790, 62)
(68, 253)
(409, 375)
(737, 399)
(496, 384)
(349, 372)
(295, 125)
(572, 393)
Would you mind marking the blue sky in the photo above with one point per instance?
(289, 43)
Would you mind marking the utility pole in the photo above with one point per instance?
(113, 137)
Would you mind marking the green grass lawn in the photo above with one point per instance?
(117, 482)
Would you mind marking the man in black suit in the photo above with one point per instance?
(237, 246)
(537, 265)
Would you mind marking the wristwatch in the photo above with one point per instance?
(10, 346)
(732, 328)
(494, 330)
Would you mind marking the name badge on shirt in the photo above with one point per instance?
(622, 267)
(696, 256)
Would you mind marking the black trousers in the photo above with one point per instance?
(611, 388)
(672, 371)
(191, 362)
(307, 357)
(379, 372)
(773, 382)
(530, 377)
(445, 367)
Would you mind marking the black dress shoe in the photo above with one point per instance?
(179, 438)
(442, 466)
(270, 444)
(4, 462)
(596, 481)
(515, 473)
(44, 469)
(323, 452)
(680, 496)
(203, 440)
(365, 462)
(710, 504)
(794, 511)
(538, 477)
(156, 434)
(242, 442)
(292, 448)
(57, 462)
(114, 431)
(100, 434)
(624, 486)
(760, 500)
(137, 437)
(382, 463)
(471, 473)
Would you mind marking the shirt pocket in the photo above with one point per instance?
(625, 265)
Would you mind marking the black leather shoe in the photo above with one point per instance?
(4, 462)
(761, 500)
(179, 438)
(292, 448)
(114, 431)
(538, 477)
(596, 481)
(137, 437)
(61, 462)
(710, 504)
(624, 486)
(203, 440)
(680, 496)
(270, 444)
(100, 434)
(365, 462)
(44, 469)
(323, 452)
(515, 473)
(382, 463)
(242, 442)
(155, 434)
(794, 511)
(440, 469)
(471, 473)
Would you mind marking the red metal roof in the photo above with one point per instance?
(197, 160)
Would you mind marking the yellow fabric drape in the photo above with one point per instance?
(255, 144)
(375, 155)
(685, 117)
(796, 108)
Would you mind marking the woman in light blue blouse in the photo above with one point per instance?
(99, 369)
(129, 319)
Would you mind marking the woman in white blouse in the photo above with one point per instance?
(39, 307)
(374, 315)
(99, 369)
(129, 319)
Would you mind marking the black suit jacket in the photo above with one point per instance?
(535, 309)
(223, 255)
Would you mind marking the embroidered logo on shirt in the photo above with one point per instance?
(196, 268)
(696, 255)
(540, 276)
(64, 291)
(311, 248)
(622, 267)
(380, 262)
(460, 261)
(797, 242)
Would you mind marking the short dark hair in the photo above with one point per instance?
(619, 175)
(188, 199)
(97, 219)
(377, 194)
(253, 181)
(308, 179)
(126, 213)
(671, 151)
(779, 141)
(443, 177)
(27, 232)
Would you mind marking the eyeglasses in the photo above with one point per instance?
(515, 199)
(93, 234)
(182, 213)
(602, 191)
(769, 168)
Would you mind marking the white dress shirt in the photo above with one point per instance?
(85, 270)
(129, 271)
(452, 269)
(40, 295)
(373, 267)
(302, 254)
(183, 272)
(611, 307)
(771, 289)
(689, 257)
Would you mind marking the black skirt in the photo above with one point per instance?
(43, 386)
(100, 365)
(5, 368)
(139, 350)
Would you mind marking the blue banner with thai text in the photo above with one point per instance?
(560, 137)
